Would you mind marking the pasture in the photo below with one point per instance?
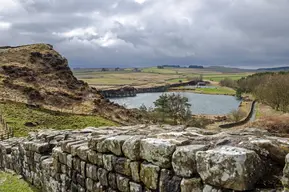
(152, 76)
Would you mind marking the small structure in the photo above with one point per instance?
(201, 83)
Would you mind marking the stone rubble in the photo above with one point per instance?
(149, 159)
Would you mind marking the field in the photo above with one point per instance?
(216, 91)
(17, 115)
(152, 76)
(11, 183)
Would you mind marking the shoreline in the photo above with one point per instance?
(198, 92)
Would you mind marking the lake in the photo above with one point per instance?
(200, 103)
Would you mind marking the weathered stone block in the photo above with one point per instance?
(285, 178)
(98, 187)
(82, 152)
(122, 183)
(109, 162)
(135, 171)
(149, 175)
(74, 187)
(92, 142)
(112, 180)
(37, 157)
(63, 169)
(122, 166)
(157, 151)
(131, 147)
(91, 171)
(169, 182)
(83, 168)
(193, 184)
(102, 176)
(76, 164)
(62, 156)
(229, 167)
(69, 160)
(101, 145)
(114, 144)
(184, 160)
(75, 147)
(80, 188)
(209, 188)
(40, 147)
(80, 180)
(66, 145)
(135, 187)
(89, 184)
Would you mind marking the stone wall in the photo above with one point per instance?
(132, 91)
(148, 158)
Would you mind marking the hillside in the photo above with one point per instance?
(274, 69)
(39, 76)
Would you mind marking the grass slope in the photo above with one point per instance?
(17, 114)
(216, 91)
(10, 183)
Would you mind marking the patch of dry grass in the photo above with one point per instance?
(274, 124)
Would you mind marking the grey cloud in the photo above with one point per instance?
(97, 33)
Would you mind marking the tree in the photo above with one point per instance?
(239, 94)
(173, 107)
(161, 106)
(228, 82)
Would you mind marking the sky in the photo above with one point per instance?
(140, 33)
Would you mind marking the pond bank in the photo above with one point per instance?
(130, 91)
(216, 90)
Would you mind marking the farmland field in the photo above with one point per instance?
(152, 76)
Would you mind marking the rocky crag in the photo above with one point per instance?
(149, 158)
(40, 76)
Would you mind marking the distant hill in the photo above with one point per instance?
(273, 69)
(223, 69)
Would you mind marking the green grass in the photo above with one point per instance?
(156, 70)
(216, 91)
(17, 114)
(219, 77)
(177, 80)
(10, 183)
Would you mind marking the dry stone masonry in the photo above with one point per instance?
(149, 159)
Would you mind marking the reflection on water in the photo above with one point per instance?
(201, 103)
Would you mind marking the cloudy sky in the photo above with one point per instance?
(99, 33)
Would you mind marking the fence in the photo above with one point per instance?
(6, 131)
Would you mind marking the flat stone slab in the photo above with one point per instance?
(184, 160)
(229, 167)
(157, 151)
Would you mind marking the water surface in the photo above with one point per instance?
(200, 103)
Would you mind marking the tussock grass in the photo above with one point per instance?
(18, 114)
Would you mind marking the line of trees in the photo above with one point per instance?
(269, 88)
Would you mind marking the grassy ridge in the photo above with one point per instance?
(17, 115)
(10, 183)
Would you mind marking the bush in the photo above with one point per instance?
(237, 115)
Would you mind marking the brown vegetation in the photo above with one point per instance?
(38, 75)
(274, 124)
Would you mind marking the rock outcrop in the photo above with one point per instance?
(148, 158)
(39, 76)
